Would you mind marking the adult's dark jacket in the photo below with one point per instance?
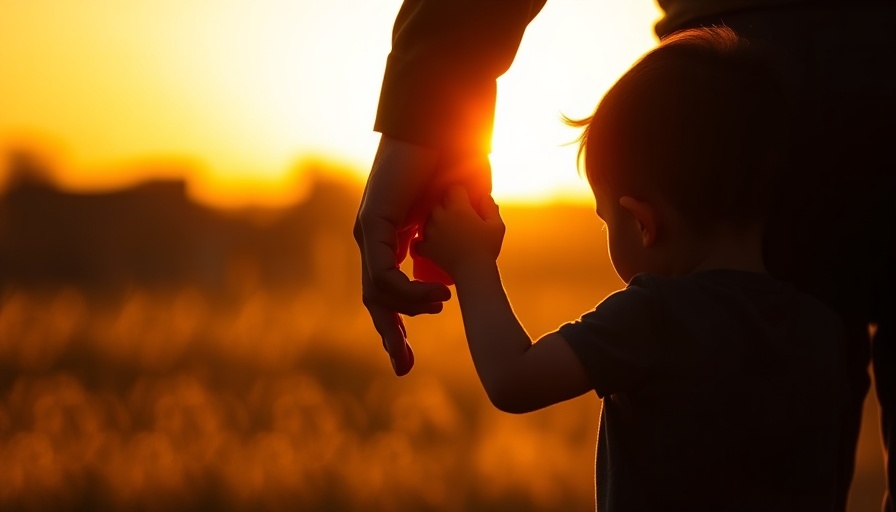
(439, 87)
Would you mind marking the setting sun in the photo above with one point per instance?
(233, 94)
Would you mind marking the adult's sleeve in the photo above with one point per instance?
(620, 341)
(439, 87)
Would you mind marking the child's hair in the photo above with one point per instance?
(700, 119)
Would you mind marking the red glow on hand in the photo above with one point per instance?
(425, 269)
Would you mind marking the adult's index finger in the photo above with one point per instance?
(379, 253)
(389, 326)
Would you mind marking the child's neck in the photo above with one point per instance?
(728, 250)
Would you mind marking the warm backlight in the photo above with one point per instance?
(243, 90)
(157, 354)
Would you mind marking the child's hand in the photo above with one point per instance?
(456, 236)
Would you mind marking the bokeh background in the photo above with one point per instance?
(180, 317)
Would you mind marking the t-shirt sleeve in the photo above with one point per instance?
(439, 86)
(618, 342)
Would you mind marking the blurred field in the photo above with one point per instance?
(253, 379)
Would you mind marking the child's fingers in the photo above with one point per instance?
(488, 209)
(457, 197)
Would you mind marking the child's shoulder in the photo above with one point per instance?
(729, 290)
(724, 289)
(708, 280)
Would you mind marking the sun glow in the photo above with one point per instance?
(564, 66)
(245, 90)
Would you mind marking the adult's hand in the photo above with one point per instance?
(404, 182)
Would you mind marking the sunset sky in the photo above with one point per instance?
(236, 94)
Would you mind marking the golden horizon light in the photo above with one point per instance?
(233, 95)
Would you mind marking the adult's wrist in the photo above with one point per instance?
(435, 106)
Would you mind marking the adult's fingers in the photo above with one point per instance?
(390, 287)
(394, 336)
(397, 181)
(410, 308)
(425, 297)
(389, 326)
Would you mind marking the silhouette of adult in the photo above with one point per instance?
(832, 233)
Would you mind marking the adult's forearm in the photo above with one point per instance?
(436, 108)
(495, 336)
(439, 86)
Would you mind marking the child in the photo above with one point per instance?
(721, 387)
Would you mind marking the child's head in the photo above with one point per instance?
(683, 153)
(696, 126)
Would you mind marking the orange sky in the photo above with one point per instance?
(236, 92)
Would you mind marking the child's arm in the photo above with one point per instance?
(517, 375)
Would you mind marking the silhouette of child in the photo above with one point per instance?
(721, 387)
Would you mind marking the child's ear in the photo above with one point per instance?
(646, 217)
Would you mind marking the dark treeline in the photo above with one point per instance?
(152, 235)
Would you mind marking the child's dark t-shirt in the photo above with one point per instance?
(722, 390)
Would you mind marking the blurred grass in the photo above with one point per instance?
(182, 398)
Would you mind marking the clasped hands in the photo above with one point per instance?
(415, 195)
(458, 237)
